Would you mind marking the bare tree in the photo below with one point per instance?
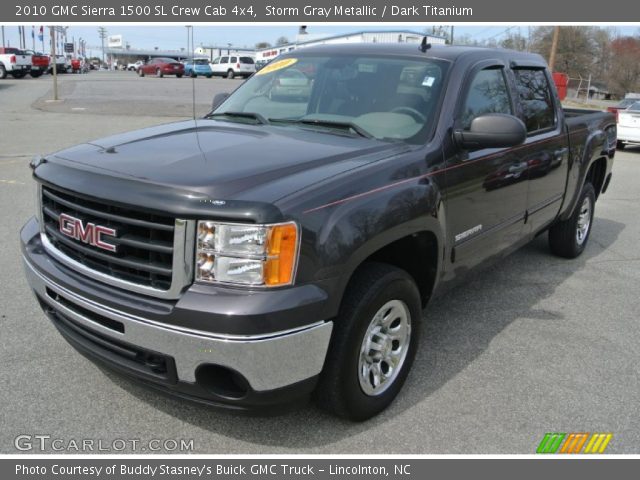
(282, 41)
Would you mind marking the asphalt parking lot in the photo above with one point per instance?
(535, 344)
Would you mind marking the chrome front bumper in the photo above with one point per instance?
(267, 361)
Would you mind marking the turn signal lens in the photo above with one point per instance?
(281, 255)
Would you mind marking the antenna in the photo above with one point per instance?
(190, 58)
(424, 46)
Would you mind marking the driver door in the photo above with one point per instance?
(486, 189)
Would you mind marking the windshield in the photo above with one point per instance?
(389, 98)
(634, 107)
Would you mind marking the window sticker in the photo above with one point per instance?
(278, 65)
(428, 81)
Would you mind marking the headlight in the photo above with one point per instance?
(246, 254)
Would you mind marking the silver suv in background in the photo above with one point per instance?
(231, 66)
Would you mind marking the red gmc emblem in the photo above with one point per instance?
(89, 233)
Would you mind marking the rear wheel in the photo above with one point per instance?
(179, 75)
(569, 238)
(36, 73)
(18, 74)
(3, 72)
(231, 74)
(620, 145)
(159, 73)
(209, 76)
(373, 343)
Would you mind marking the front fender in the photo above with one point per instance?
(354, 230)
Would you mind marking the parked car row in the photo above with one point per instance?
(226, 66)
(18, 63)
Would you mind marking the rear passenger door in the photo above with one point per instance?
(486, 188)
(545, 153)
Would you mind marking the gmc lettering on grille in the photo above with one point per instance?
(89, 233)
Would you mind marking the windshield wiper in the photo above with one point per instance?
(251, 115)
(325, 123)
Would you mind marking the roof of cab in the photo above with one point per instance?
(445, 52)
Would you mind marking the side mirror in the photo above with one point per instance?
(492, 130)
(219, 100)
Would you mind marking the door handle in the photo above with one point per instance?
(560, 153)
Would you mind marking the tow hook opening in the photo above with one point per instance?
(222, 381)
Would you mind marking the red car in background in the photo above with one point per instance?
(160, 67)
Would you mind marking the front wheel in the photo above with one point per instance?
(140, 73)
(569, 238)
(159, 73)
(179, 75)
(620, 145)
(3, 72)
(373, 343)
(231, 74)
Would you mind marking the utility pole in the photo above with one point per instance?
(554, 47)
(54, 60)
(3, 35)
(102, 32)
(451, 39)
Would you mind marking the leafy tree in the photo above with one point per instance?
(624, 74)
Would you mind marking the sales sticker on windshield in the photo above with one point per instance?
(428, 81)
(279, 65)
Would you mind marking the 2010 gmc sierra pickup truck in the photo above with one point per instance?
(287, 243)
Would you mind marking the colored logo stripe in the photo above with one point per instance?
(550, 442)
(574, 442)
(598, 443)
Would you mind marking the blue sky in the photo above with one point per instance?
(175, 37)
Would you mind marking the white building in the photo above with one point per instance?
(368, 36)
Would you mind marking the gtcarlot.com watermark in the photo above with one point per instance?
(49, 443)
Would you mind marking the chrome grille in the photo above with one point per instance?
(151, 249)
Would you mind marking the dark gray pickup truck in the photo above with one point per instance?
(287, 243)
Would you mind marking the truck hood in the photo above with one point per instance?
(226, 160)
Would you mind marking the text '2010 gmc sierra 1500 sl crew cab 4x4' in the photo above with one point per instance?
(287, 243)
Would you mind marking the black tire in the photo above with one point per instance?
(373, 286)
(620, 145)
(209, 76)
(159, 73)
(564, 239)
(3, 72)
(18, 74)
(193, 75)
(231, 74)
(140, 73)
(35, 74)
(179, 75)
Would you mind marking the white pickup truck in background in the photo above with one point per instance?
(14, 61)
(629, 125)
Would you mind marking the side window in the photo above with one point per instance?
(216, 61)
(224, 60)
(488, 93)
(234, 60)
(535, 96)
